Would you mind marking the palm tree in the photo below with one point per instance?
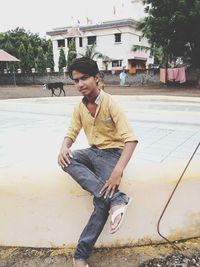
(90, 52)
(105, 60)
(156, 52)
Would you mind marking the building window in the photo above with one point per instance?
(117, 63)
(69, 40)
(61, 43)
(91, 40)
(80, 42)
(118, 37)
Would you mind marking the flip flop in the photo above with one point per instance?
(121, 211)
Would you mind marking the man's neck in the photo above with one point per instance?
(91, 98)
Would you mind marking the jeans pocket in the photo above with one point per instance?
(115, 151)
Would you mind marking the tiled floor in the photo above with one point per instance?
(167, 129)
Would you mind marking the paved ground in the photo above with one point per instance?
(156, 256)
(7, 92)
(167, 126)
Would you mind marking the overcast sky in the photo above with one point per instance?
(40, 16)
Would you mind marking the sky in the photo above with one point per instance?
(41, 16)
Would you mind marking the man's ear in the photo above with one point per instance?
(97, 78)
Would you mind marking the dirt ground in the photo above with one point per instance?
(162, 255)
(136, 256)
(7, 92)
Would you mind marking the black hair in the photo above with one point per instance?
(84, 65)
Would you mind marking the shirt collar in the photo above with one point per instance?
(97, 100)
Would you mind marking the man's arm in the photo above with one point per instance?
(73, 131)
(115, 178)
(126, 132)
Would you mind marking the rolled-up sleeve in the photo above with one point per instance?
(124, 129)
(75, 125)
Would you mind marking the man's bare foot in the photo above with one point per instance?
(80, 263)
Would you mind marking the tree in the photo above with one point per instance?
(62, 60)
(193, 44)
(71, 52)
(171, 25)
(105, 60)
(50, 61)
(23, 57)
(41, 61)
(91, 53)
(6, 43)
(155, 51)
(11, 41)
(30, 58)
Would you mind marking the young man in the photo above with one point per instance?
(99, 168)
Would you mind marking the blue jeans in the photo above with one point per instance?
(91, 167)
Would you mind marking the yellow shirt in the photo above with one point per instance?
(109, 128)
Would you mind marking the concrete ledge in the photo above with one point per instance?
(41, 206)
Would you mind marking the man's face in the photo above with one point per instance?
(86, 84)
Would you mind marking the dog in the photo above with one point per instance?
(54, 87)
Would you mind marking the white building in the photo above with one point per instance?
(114, 39)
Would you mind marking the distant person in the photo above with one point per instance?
(122, 77)
(99, 168)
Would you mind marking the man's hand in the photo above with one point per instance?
(115, 178)
(111, 184)
(65, 153)
(64, 156)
